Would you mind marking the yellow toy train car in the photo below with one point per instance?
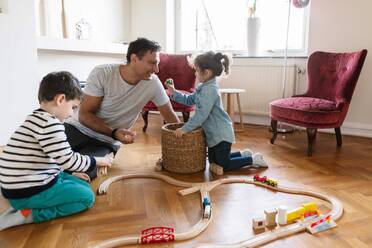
(265, 180)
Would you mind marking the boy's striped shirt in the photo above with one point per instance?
(35, 154)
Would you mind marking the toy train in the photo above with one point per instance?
(265, 180)
(307, 210)
(206, 208)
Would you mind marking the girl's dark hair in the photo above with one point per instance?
(56, 83)
(216, 62)
(140, 46)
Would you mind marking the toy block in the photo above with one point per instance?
(295, 214)
(310, 207)
(258, 224)
(270, 217)
(282, 215)
(216, 169)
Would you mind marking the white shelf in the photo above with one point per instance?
(55, 44)
(3, 7)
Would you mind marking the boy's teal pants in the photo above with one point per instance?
(67, 196)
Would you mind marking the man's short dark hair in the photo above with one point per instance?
(140, 46)
(56, 83)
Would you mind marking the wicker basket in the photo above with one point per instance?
(183, 155)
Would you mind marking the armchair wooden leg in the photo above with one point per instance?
(311, 134)
(145, 116)
(274, 128)
(338, 136)
(185, 116)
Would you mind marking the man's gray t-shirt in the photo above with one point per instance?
(122, 102)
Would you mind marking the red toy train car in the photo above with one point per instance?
(265, 180)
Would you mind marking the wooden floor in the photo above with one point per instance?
(136, 204)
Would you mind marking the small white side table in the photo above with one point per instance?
(230, 103)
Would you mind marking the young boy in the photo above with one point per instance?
(36, 163)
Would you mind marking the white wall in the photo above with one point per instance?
(78, 63)
(343, 26)
(18, 81)
(148, 20)
(111, 22)
(154, 20)
(109, 19)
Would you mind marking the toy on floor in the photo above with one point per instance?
(282, 215)
(157, 235)
(103, 170)
(206, 207)
(265, 180)
(318, 223)
(216, 169)
(270, 217)
(322, 224)
(258, 224)
(159, 165)
(307, 210)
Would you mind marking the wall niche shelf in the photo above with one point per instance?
(4, 7)
(84, 46)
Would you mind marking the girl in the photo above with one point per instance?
(210, 115)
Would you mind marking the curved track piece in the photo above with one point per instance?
(204, 189)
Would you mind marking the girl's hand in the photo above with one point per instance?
(169, 84)
(179, 132)
(81, 175)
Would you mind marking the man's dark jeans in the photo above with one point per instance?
(86, 145)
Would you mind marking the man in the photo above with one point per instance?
(114, 96)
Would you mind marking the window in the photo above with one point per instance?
(222, 25)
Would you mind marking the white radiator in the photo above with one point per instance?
(263, 83)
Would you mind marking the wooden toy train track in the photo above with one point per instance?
(166, 234)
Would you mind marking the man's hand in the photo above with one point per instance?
(179, 132)
(125, 136)
(81, 175)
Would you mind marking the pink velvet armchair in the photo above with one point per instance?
(174, 66)
(332, 78)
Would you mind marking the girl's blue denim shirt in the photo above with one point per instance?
(209, 113)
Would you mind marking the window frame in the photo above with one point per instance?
(303, 52)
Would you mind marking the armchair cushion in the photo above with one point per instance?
(306, 111)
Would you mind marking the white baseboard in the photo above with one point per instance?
(348, 128)
(357, 129)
